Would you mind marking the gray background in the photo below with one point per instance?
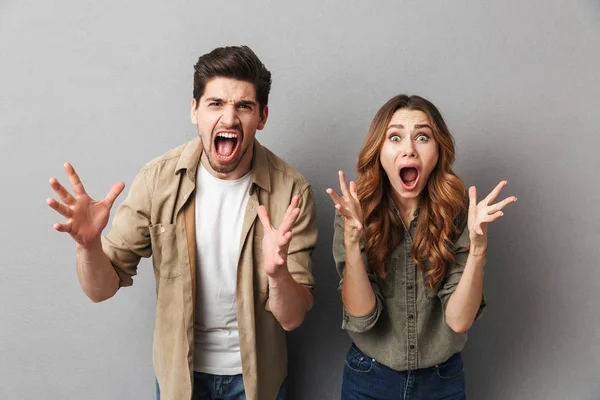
(107, 86)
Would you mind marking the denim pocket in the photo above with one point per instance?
(357, 362)
(451, 368)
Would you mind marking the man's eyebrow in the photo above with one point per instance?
(240, 102)
(246, 102)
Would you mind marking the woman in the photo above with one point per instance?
(410, 253)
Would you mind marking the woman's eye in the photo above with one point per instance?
(395, 138)
(422, 138)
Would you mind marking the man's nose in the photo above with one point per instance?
(229, 116)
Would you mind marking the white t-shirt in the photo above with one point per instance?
(220, 209)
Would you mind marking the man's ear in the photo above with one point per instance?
(263, 118)
(193, 110)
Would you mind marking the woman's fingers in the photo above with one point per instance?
(494, 193)
(349, 216)
(499, 206)
(342, 206)
(478, 229)
(344, 185)
(494, 216)
(354, 191)
(343, 210)
(334, 196)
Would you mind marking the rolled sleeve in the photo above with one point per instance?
(461, 253)
(129, 238)
(304, 240)
(351, 322)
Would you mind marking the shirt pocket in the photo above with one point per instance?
(164, 250)
(430, 293)
(388, 285)
(261, 282)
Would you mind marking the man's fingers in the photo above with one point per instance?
(113, 193)
(263, 215)
(494, 193)
(284, 240)
(289, 220)
(66, 227)
(280, 260)
(62, 193)
(60, 208)
(499, 206)
(74, 179)
(294, 203)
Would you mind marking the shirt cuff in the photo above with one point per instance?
(361, 323)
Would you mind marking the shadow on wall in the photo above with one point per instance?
(318, 348)
(511, 327)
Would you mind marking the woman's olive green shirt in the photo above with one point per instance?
(406, 330)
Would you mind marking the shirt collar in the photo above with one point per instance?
(192, 152)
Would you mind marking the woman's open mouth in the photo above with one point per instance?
(409, 176)
(226, 145)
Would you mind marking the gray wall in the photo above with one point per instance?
(107, 85)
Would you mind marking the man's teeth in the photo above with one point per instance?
(227, 135)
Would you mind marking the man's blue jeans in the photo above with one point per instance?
(221, 387)
(365, 378)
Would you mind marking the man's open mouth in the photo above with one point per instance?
(409, 175)
(226, 145)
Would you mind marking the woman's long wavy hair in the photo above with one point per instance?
(443, 199)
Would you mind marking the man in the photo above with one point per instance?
(227, 287)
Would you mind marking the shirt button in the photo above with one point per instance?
(162, 229)
(410, 316)
(412, 346)
(410, 287)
